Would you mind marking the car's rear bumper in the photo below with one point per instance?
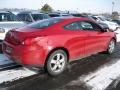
(25, 55)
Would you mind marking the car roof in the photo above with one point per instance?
(73, 18)
(4, 12)
(58, 13)
(30, 12)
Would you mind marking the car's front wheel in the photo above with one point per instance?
(111, 47)
(57, 62)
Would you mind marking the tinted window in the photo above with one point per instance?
(24, 17)
(54, 15)
(66, 15)
(73, 26)
(44, 23)
(7, 17)
(77, 15)
(37, 16)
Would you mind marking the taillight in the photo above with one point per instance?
(30, 41)
(27, 41)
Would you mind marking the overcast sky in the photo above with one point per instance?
(79, 5)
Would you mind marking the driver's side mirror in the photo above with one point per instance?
(105, 29)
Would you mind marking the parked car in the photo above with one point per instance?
(102, 24)
(8, 21)
(117, 21)
(118, 30)
(113, 26)
(54, 42)
(59, 15)
(28, 16)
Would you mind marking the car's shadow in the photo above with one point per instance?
(42, 81)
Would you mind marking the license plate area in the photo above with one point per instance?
(8, 49)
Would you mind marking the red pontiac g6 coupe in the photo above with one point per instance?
(52, 43)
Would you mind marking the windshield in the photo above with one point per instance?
(101, 18)
(39, 16)
(7, 17)
(44, 23)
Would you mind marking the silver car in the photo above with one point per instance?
(7, 22)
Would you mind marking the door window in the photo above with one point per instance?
(87, 25)
(73, 26)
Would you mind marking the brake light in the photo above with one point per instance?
(27, 41)
(30, 41)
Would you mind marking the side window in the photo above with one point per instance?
(73, 26)
(24, 17)
(87, 25)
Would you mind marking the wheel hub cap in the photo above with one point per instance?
(57, 63)
(111, 46)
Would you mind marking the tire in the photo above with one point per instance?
(111, 47)
(56, 62)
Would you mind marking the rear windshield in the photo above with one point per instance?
(44, 23)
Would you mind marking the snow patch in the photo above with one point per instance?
(15, 74)
(103, 77)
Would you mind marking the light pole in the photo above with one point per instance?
(113, 4)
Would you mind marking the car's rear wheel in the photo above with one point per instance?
(111, 47)
(57, 62)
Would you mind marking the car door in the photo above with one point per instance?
(97, 39)
(76, 43)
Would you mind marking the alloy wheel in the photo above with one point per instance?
(111, 46)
